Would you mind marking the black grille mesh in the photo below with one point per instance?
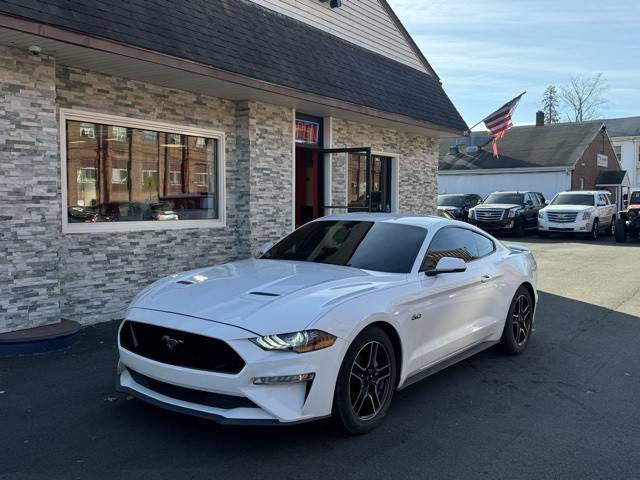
(182, 349)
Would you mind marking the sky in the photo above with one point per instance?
(488, 51)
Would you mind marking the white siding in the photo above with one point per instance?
(547, 183)
(630, 160)
(365, 23)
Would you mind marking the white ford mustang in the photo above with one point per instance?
(333, 319)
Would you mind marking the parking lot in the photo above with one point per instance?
(566, 408)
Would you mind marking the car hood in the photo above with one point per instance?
(262, 296)
(564, 208)
(504, 206)
(448, 207)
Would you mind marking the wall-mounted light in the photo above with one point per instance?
(333, 3)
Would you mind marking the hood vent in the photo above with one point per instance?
(265, 294)
(186, 282)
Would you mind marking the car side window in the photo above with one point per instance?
(458, 243)
(528, 198)
(541, 198)
(485, 245)
(602, 199)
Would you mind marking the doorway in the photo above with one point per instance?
(369, 183)
(309, 185)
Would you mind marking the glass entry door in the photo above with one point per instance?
(369, 180)
(369, 183)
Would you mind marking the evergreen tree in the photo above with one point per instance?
(550, 104)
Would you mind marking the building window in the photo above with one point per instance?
(118, 134)
(149, 136)
(175, 178)
(127, 174)
(87, 130)
(618, 150)
(119, 175)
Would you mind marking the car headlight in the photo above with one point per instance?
(299, 342)
(472, 213)
(513, 212)
(541, 215)
(586, 215)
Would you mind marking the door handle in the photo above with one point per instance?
(485, 278)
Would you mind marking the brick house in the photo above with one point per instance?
(541, 158)
(142, 139)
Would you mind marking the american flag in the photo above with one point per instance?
(500, 121)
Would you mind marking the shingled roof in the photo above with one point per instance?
(623, 127)
(559, 145)
(245, 38)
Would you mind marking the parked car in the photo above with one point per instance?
(332, 320)
(514, 212)
(458, 205)
(583, 212)
(628, 222)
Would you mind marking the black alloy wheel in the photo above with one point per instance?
(519, 323)
(621, 231)
(366, 382)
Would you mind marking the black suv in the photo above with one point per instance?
(514, 212)
(458, 204)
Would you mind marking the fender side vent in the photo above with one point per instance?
(265, 294)
(185, 282)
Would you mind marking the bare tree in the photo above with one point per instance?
(550, 105)
(584, 97)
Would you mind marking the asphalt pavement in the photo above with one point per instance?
(569, 407)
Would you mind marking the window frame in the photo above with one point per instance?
(435, 234)
(66, 114)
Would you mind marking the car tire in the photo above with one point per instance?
(595, 230)
(519, 228)
(518, 325)
(366, 383)
(612, 227)
(621, 231)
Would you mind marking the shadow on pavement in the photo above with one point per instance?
(565, 408)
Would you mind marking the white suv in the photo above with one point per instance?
(588, 212)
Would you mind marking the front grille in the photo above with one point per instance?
(562, 217)
(182, 349)
(190, 395)
(489, 214)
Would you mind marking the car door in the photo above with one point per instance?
(456, 310)
(606, 210)
(532, 205)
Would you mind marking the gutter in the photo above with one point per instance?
(490, 171)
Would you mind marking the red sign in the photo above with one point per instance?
(307, 131)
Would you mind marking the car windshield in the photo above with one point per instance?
(510, 198)
(451, 200)
(586, 199)
(379, 246)
(635, 197)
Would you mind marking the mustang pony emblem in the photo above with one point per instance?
(171, 343)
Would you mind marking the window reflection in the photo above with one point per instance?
(117, 173)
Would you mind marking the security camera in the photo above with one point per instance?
(35, 50)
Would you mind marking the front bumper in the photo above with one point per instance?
(579, 226)
(257, 404)
(505, 224)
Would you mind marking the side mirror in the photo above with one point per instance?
(547, 202)
(448, 265)
(265, 248)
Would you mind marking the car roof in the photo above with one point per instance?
(424, 221)
(592, 192)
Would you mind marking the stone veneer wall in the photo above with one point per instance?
(417, 155)
(30, 224)
(91, 277)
